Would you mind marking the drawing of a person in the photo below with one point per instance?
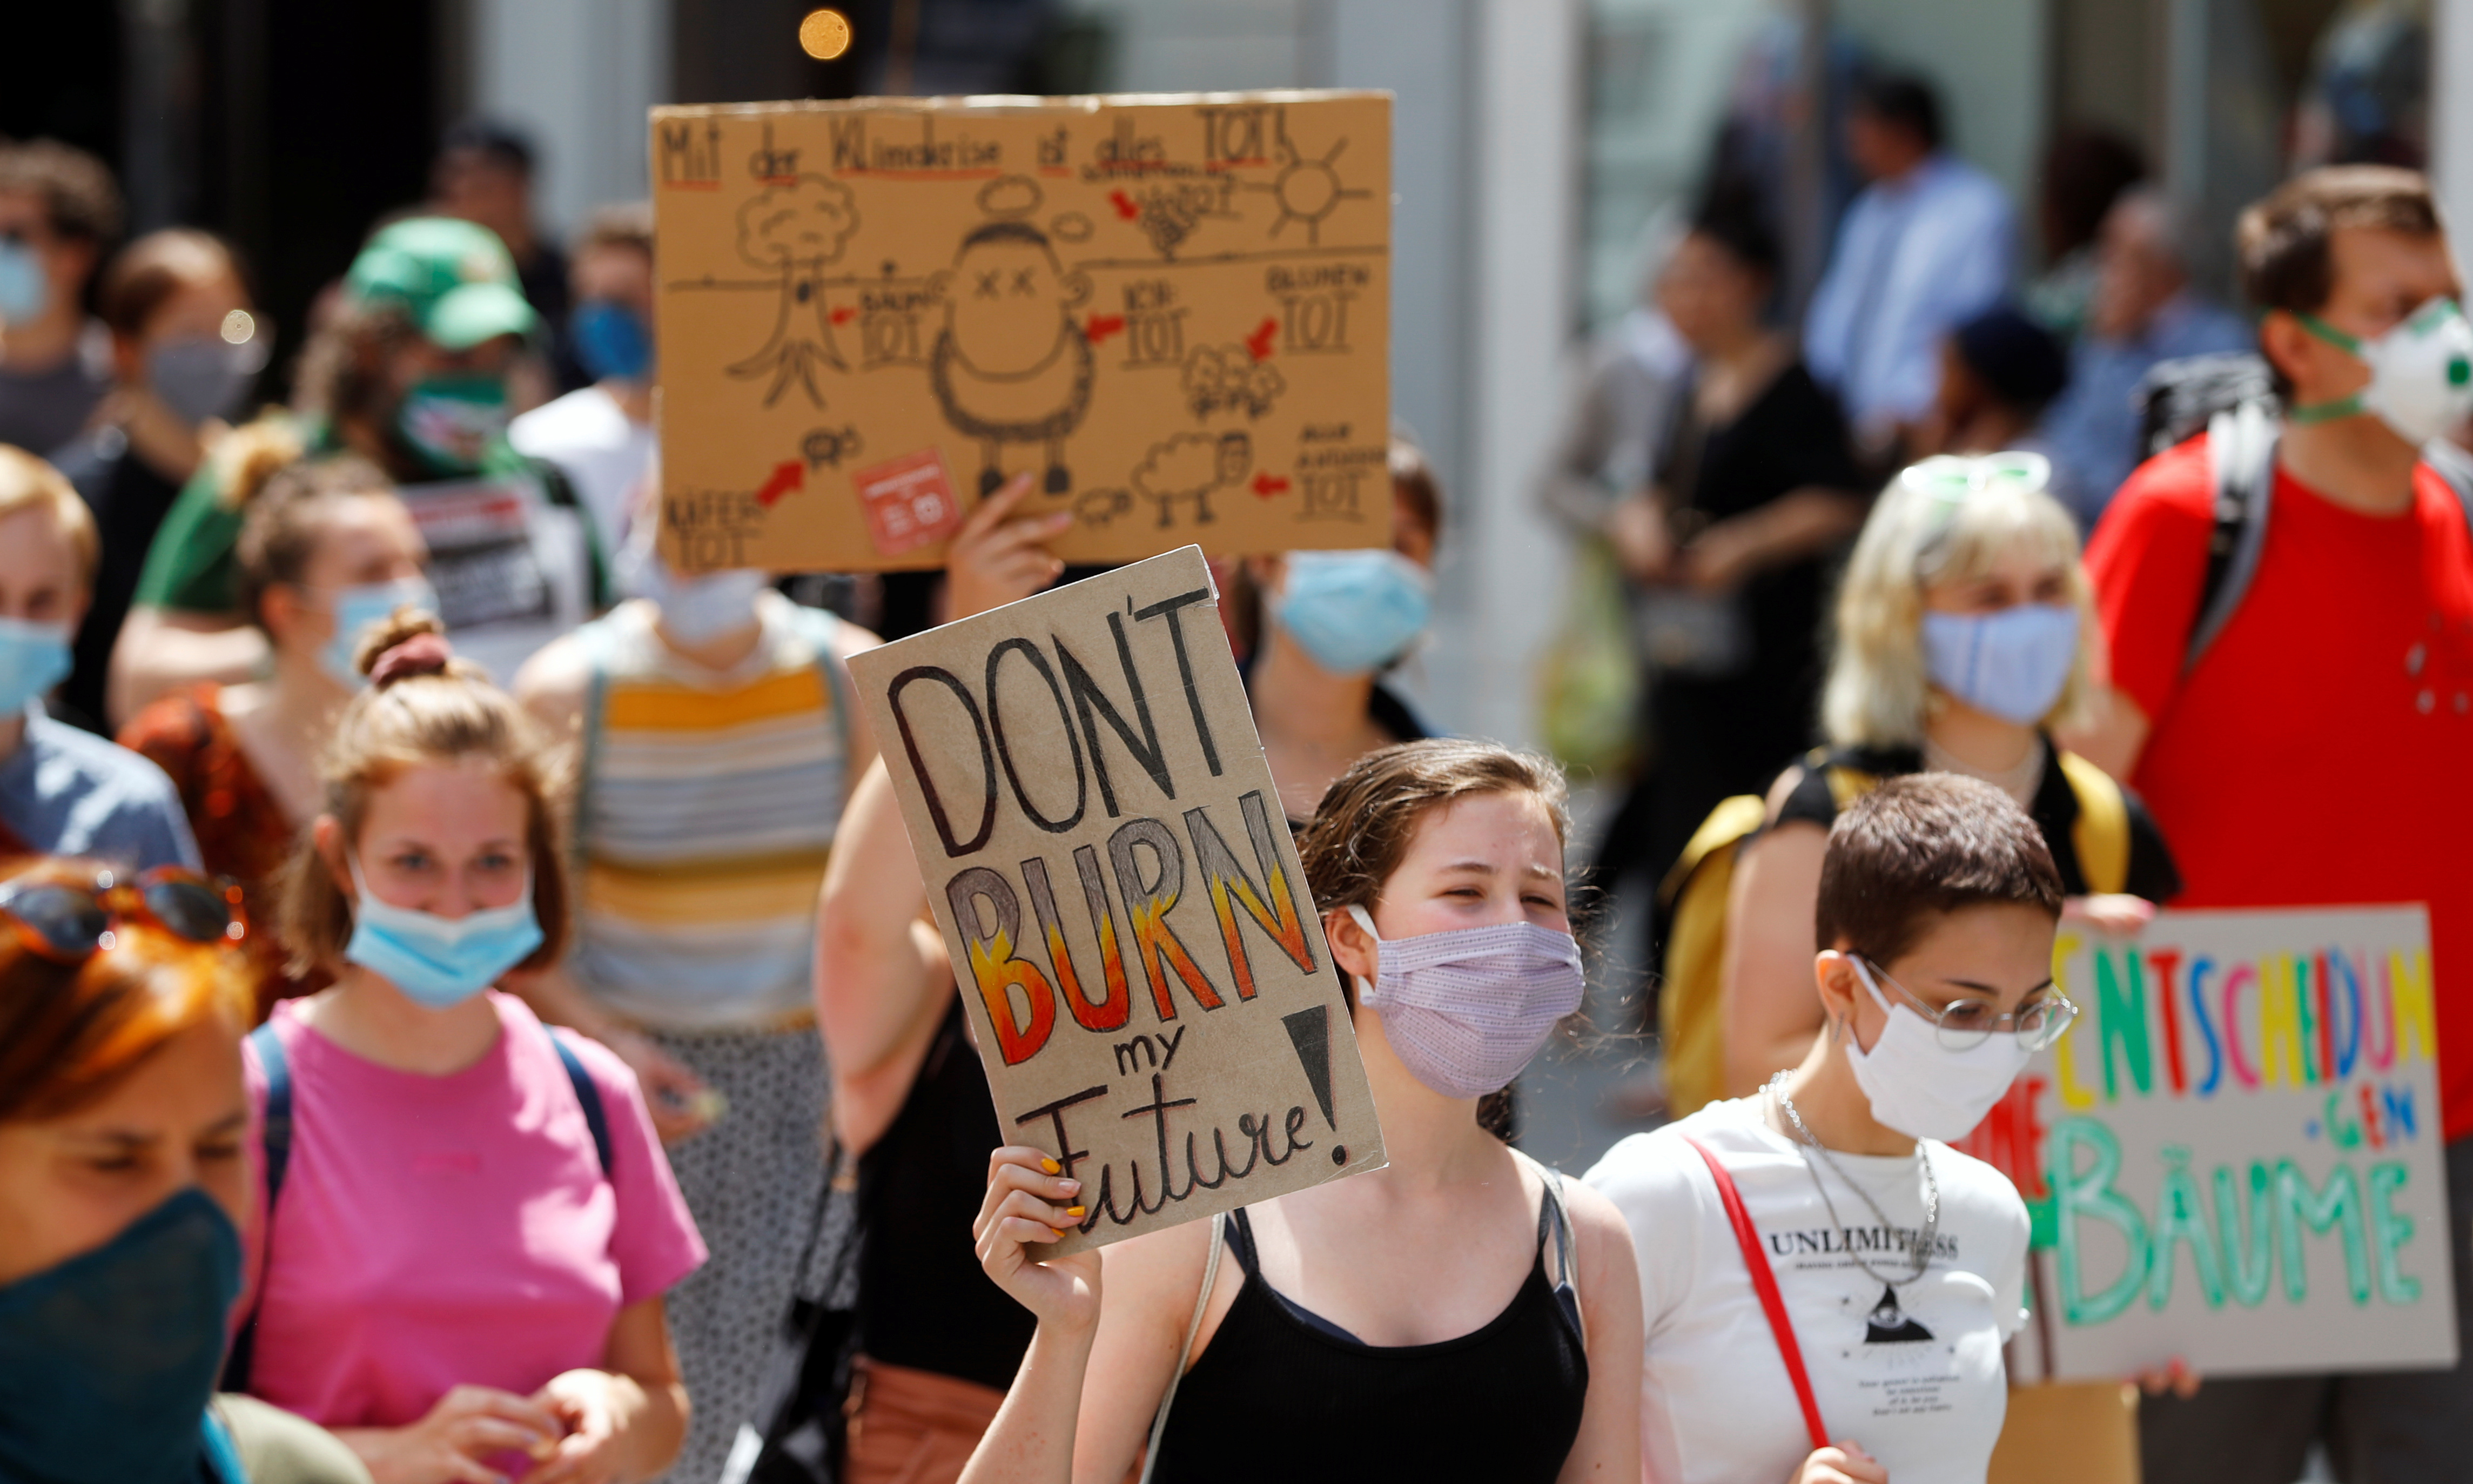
(1011, 365)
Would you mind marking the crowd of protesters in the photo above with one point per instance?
(429, 1030)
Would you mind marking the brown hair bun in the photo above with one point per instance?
(410, 642)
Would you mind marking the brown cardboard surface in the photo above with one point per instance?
(1144, 967)
(1172, 311)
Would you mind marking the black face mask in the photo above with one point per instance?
(108, 1360)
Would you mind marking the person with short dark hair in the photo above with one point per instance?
(1929, 243)
(2309, 747)
(484, 173)
(1935, 915)
(2144, 311)
(602, 434)
(2084, 171)
(59, 214)
(1997, 373)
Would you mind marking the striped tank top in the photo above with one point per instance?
(705, 814)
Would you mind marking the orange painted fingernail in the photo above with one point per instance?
(1073, 1211)
(1059, 1236)
(1051, 1166)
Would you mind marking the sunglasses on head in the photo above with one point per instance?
(71, 923)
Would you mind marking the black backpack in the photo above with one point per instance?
(2233, 397)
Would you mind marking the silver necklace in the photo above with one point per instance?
(2019, 780)
(1806, 1144)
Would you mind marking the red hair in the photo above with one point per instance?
(71, 1034)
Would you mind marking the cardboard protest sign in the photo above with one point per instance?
(1142, 964)
(1173, 312)
(2235, 1154)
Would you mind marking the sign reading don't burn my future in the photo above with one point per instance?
(1139, 953)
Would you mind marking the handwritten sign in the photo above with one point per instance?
(2235, 1154)
(1141, 962)
(1172, 312)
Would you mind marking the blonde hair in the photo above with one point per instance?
(1921, 535)
(26, 480)
(423, 707)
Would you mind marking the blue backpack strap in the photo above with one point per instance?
(275, 1135)
(595, 1117)
(221, 1458)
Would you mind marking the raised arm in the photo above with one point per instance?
(1081, 1406)
(882, 981)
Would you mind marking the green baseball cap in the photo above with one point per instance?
(453, 277)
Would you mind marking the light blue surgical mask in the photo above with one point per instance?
(34, 658)
(357, 609)
(440, 962)
(108, 1360)
(2012, 664)
(25, 288)
(695, 610)
(1354, 612)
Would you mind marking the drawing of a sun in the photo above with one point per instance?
(1309, 190)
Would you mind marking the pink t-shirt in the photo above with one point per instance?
(444, 1231)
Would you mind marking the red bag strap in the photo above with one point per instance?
(1764, 1283)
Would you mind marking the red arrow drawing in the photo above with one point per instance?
(1103, 325)
(1124, 204)
(787, 475)
(843, 315)
(1258, 344)
(1269, 485)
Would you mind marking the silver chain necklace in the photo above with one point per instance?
(1806, 1144)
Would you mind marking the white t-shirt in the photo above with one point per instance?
(1912, 1373)
(605, 453)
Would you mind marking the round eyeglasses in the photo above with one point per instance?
(1966, 1022)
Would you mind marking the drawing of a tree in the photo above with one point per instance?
(796, 227)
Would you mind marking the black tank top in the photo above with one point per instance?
(924, 1301)
(1284, 1394)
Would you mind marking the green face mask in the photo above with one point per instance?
(449, 422)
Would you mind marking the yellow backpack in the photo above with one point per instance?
(1691, 1003)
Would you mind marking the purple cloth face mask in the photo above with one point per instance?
(1466, 1009)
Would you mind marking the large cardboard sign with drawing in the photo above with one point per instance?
(2235, 1154)
(1142, 964)
(1172, 312)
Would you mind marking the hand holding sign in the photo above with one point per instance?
(996, 559)
(1026, 1209)
(1141, 963)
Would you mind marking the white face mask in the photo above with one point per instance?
(2421, 372)
(1921, 1087)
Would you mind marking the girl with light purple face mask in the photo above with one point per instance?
(1439, 868)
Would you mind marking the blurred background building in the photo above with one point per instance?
(1539, 144)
